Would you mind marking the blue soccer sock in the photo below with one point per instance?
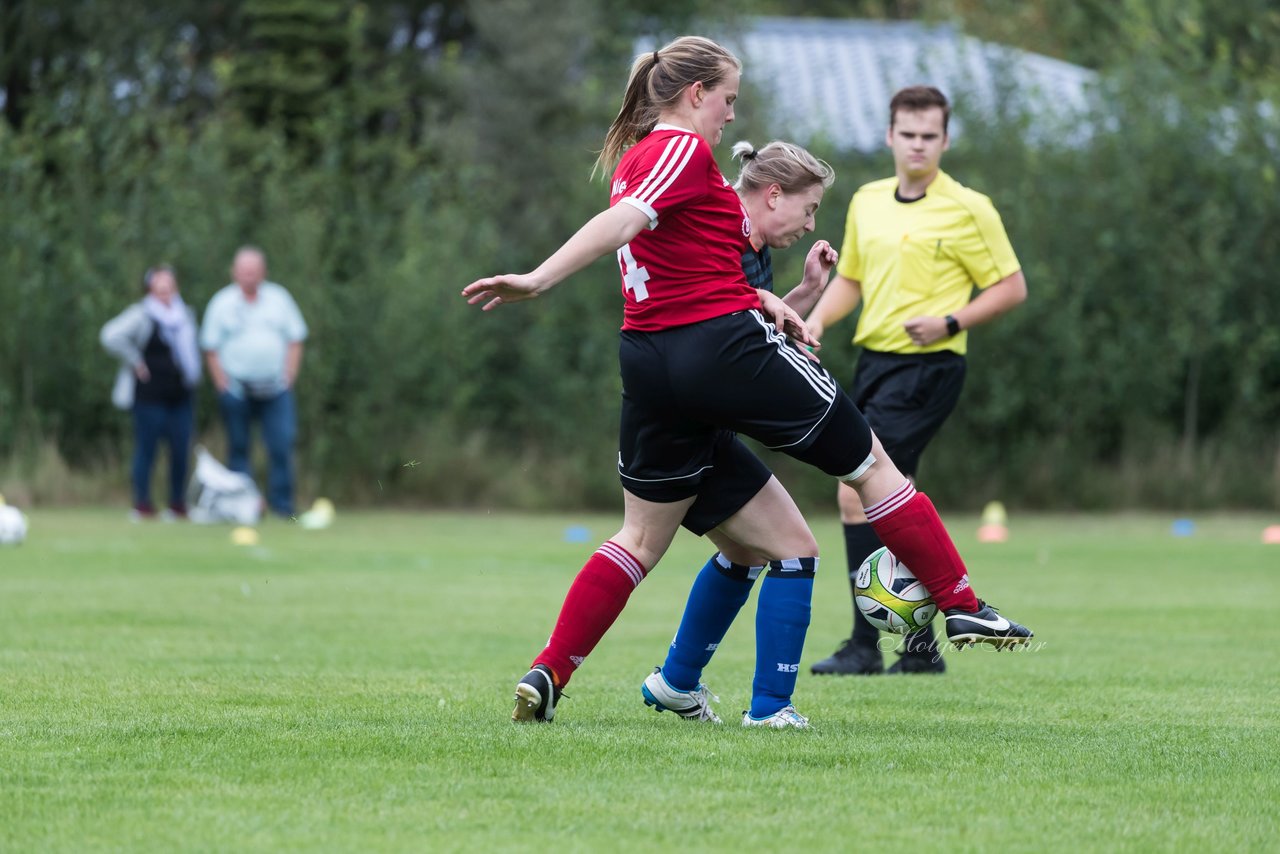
(782, 620)
(718, 594)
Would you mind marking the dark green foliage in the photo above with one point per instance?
(386, 154)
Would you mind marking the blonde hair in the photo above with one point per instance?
(656, 81)
(783, 163)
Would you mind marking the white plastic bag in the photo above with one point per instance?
(218, 494)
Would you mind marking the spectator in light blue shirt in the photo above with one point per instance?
(252, 337)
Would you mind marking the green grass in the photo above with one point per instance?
(349, 689)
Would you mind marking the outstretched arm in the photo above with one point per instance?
(606, 232)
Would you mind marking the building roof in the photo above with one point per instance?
(833, 78)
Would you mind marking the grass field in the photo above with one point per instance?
(349, 689)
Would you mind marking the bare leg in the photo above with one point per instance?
(602, 587)
(768, 528)
(648, 527)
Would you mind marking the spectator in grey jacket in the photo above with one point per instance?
(155, 340)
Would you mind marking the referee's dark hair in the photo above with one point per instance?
(914, 99)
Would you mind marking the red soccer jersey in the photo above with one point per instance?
(687, 266)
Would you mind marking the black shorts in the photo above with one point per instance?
(734, 479)
(906, 397)
(686, 390)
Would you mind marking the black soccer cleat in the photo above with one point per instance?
(984, 626)
(851, 659)
(536, 696)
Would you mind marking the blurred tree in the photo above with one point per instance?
(878, 10)
(404, 148)
(1244, 35)
(293, 54)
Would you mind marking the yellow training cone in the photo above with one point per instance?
(994, 514)
(319, 516)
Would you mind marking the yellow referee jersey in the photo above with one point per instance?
(920, 258)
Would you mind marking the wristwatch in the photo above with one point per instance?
(953, 325)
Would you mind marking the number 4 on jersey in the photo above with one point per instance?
(633, 275)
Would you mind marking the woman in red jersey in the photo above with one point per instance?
(704, 356)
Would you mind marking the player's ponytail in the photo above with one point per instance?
(744, 151)
(656, 82)
(782, 163)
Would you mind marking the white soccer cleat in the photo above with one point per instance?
(784, 718)
(694, 705)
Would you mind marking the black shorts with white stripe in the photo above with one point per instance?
(682, 387)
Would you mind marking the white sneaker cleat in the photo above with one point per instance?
(784, 718)
(694, 705)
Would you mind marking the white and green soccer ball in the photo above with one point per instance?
(890, 596)
(13, 525)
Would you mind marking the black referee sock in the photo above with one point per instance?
(859, 541)
(920, 643)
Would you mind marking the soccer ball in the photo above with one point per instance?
(13, 526)
(889, 596)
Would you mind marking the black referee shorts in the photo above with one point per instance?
(906, 397)
(687, 390)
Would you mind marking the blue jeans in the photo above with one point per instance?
(151, 423)
(279, 428)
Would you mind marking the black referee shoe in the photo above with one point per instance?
(926, 661)
(984, 626)
(536, 696)
(851, 659)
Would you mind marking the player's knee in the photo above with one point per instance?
(739, 554)
(789, 543)
(798, 539)
(775, 539)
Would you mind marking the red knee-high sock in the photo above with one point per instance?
(595, 599)
(908, 525)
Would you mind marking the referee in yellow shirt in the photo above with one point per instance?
(915, 247)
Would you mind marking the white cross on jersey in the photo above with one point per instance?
(634, 276)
